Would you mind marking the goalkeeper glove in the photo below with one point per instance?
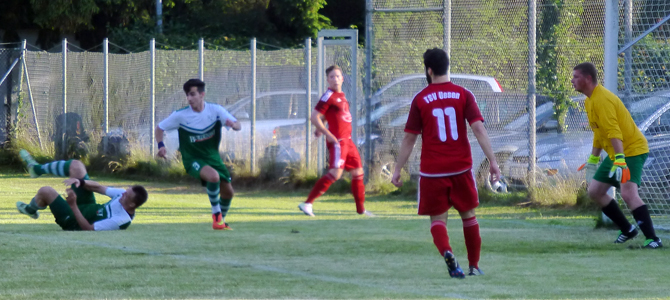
(620, 170)
(590, 167)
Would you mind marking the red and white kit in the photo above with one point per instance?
(335, 107)
(439, 113)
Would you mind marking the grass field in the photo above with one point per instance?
(275, 251)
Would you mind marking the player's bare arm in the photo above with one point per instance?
(159, 139)
(617, 144)
(483, 138)
(234, 125)
(72, 201)
(405, 151)
(317, 121)
(89, 185)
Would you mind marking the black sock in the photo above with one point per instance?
(613, 212)
(641, 215)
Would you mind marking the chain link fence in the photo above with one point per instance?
(644, 85)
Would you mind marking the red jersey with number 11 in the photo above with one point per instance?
(439, 113)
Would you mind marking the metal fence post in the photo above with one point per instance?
(628, 62)
(446, 25)
(611, 40)
(308, 100)
(319, 85)
(105, 91)
(63, 129)
(367, 88)
(532, 17)
(152, 97)
(30, 92)
(252, 125)
(201, 59)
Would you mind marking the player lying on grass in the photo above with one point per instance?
(79, 211)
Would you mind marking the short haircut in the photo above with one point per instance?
(333, 68)
(437, 60)
(141, 195)
(194, 82)
(589, 69)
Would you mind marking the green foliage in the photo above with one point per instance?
(64, 15)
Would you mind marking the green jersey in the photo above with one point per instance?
(199, 132)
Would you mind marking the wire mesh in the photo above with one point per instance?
(644, 84)
(8, 88)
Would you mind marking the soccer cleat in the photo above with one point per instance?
(22, 207)
(368, 214)
(306, 208)
(29, 161)
(455, 270)
(653, 244)
(625, 237)
(218, 223)
(474, 271)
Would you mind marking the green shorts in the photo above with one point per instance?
(193, 167)
(635, 165)
(84, 197)
(65, 217)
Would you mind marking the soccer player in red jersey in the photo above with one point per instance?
(439, 113)
(343, 154)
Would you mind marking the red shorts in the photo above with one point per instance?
(344, 155)
(439, 194)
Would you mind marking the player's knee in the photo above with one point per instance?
(47, 192)
(335, 173)
(77, 169)
(628, 194)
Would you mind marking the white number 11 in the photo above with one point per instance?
(450, 112)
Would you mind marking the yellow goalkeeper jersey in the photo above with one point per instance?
(610, 119)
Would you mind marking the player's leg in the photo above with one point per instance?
(597, 191)
(45, 195)
(434, 201)
(227, 193)
(630, 194)
(62, 168)
(354, 165)
(336, 164)
(211, 179)
(465, 199)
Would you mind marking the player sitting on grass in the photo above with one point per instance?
(80, 212)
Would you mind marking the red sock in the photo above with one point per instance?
(358, 189)
(440, 237)
(320, 187)
(473, 241)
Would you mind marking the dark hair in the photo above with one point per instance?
(332, 68)
(589, 69)
(141, 195)
(437, 60)
(194, 82)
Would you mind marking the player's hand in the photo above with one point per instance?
(396, 179)
(71, 197)
(332, 139)
(494, 173)
(317, 133)
(161, 152)
(619, 170)
(71, 181)
(590, 167)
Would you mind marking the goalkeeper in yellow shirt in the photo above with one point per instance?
(615, 131)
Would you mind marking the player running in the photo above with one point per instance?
(439, 114)
(80, 211)
(199, 128)
(343, 154)
(615, 131)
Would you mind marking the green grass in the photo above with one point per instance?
(275, 251)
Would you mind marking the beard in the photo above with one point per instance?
(428, 78)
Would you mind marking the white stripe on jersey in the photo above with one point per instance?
(326, 95)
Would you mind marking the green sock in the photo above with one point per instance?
(213, 191)
(33, 207)
(59, 168)
(225, 206)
